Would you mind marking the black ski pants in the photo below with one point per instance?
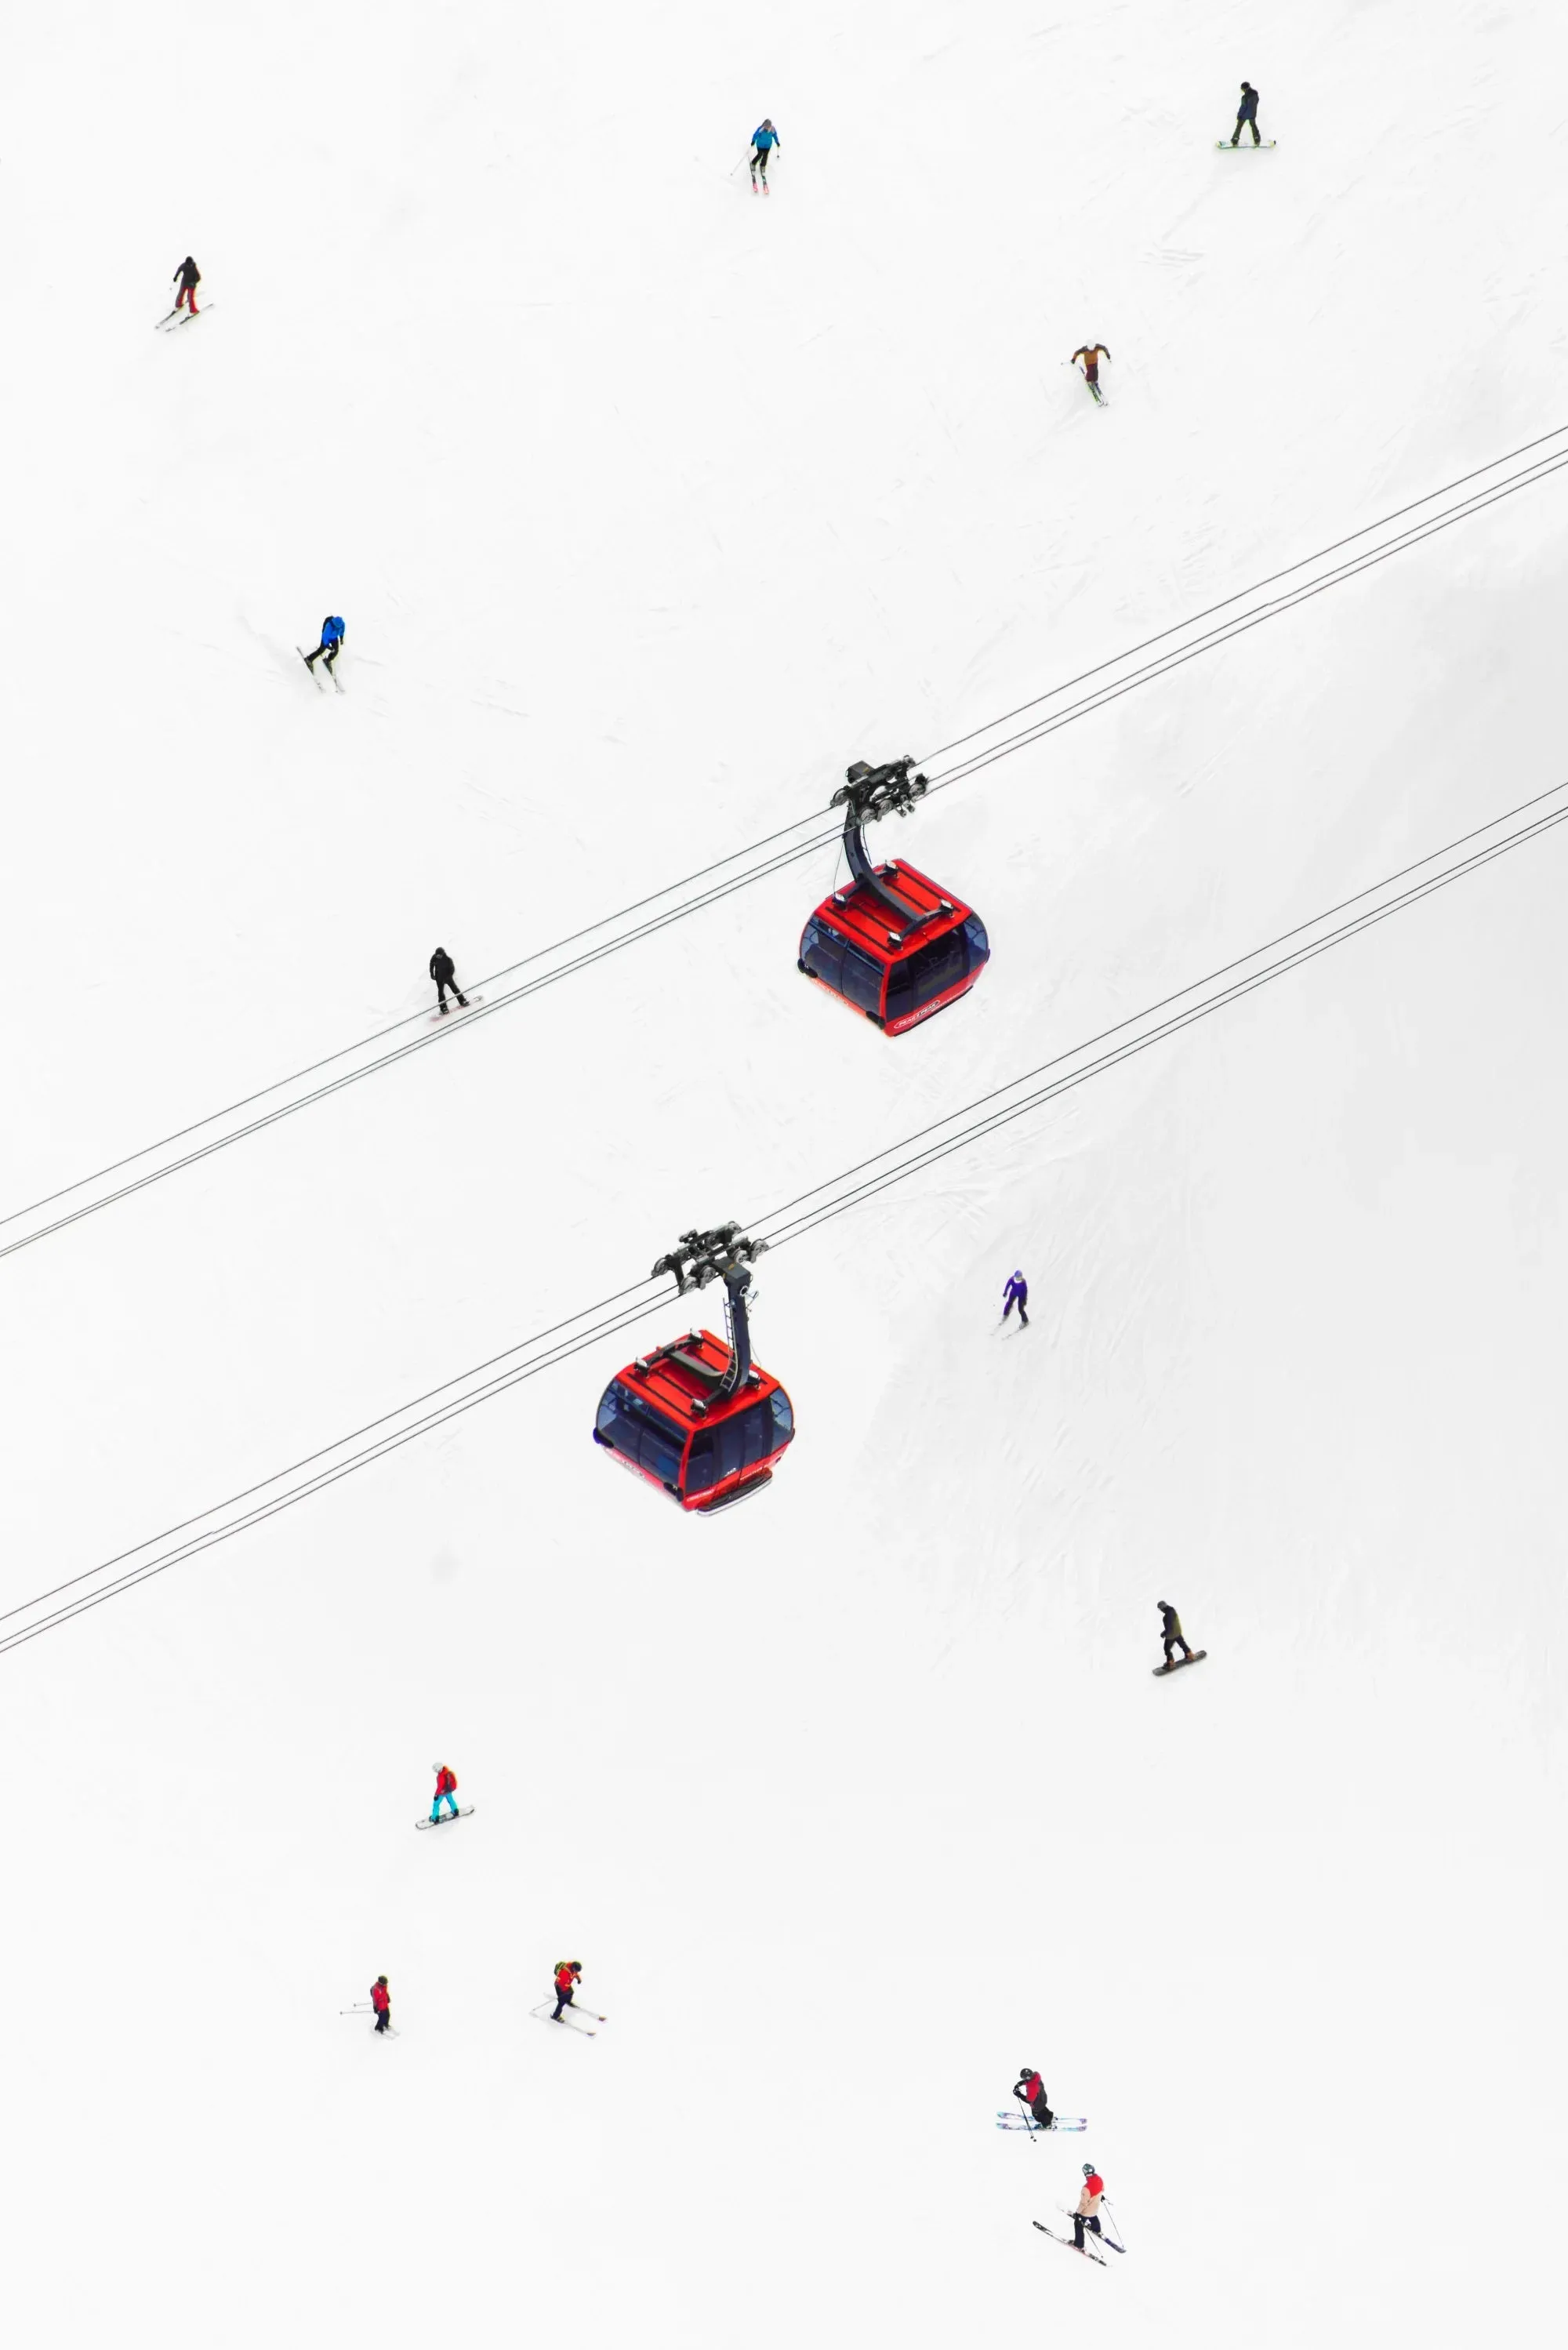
(1078, 2227)
(384, 2021)
(1249, 121)
(441, 986)
(565, 2000)
(1178, 1643)
(1044, 2116)
(331, 651)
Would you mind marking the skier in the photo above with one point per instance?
(382, 2001)
(1016, 1294)
(1248, 113)
(332, 635)
(443, 971)
(1170, 1633)
(446, 1791)
(568, 1974)
(1030, 2090)
(764, 138)
(1091, 358)
(190, 277)
(1088, 2214)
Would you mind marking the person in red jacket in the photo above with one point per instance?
(446, 1791)
(1029, 2089)
(568, 1975)
(1088, 2214)
(382, 2001)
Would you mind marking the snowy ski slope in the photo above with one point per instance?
(649, 506)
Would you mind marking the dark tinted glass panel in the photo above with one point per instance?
(862, 979)
(630, 1425)
(978, 944)
(782, 1418)
(702, 1465)
(925, 973)
(822, 951)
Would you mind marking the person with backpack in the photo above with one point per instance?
(382, 2001)
(1170, 1633)
(1248, 113)
(446, 1791)
(189, 277)
(443, 971)
(1088, 2214)
(568, 1975)
(1030, 2090)
(764, 138)
(332, 635)
(1016, 1294)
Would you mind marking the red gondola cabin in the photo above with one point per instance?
(697, 1418)
(892, 945)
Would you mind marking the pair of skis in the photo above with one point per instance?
(306, 659)
(1060, 2122)
(547, 2014)
(1089, 2244)
(179, 318)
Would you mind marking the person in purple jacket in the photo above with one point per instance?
(1016, 1294)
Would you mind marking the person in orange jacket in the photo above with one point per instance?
(382, 2001)
(568, 1975)
(1088, 2214)
(446, 1791)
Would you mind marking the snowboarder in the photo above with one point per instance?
(1088, 2214)
(568, 1975)
(382, 2001)
(332, 635)
(443, 971)
(189, 277)
(1091, 358)
(1170, 1633)
(446, 1791)
(1248, 113)
(1030, 2090)
(764, 138)
(1016, 1294)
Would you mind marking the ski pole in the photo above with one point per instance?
(363, 2008)
(1116, 2220)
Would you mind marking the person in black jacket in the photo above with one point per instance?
(1170, 1633)
(190, 277)
(443, 971)
(1248, 113)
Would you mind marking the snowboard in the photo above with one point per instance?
(455, 1011)
(1195, 1658)
(463, 1812)
(1247, 142)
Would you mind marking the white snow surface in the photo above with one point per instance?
(650, 504)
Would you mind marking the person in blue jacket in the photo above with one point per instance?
(764, 138)
(1016, 1294)
(332, 635)
(1248, 113)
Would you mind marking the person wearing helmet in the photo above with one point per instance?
(382, 2001)
(446, 1791)
(1016, 1294)
(443, 971)
(764, 138)
(1091, 355)
(1088, 2214)
(332, 635)
(1170, 1633)
(568, 1975)
(1248, 113)
(190, 277)
(1029, 2091)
